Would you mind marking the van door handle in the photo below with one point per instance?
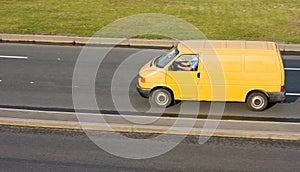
(198, 75)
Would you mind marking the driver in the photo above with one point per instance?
(191, 65)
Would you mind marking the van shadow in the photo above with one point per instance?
(288, 100)
(291, 99)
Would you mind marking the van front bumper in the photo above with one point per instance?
(144, 92)
(276, 96)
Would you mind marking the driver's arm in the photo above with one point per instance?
(185, 68)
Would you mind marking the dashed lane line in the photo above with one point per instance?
(13, 57)
(292, 94)
(294, 69)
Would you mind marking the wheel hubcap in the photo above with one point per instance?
(257, 102)
(161, 99)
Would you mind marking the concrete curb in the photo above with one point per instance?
(289, 47)
(86, 40)
(161, 125)
(134, 42)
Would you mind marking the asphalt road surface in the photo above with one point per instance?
(28, 149)
(40, 77)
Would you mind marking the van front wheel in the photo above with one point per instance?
(161, 98)
(257, 101)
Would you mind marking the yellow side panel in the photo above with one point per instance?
(263, 73)
(184, 84)
(222, 80)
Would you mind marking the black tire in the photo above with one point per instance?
(257, 101)
(161, 98)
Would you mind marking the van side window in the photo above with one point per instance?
(185, 62)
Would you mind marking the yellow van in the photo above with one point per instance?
(246, 71)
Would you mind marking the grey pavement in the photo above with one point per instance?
(28, 149)
(39, 77)
(44, 82)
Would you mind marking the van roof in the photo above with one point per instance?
(202, 45)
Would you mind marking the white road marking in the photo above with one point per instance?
(291, 68)
(13, 57)
(293, 94)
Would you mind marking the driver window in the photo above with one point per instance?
(186, 62)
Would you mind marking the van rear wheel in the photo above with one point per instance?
(257, 101)
(161, 98)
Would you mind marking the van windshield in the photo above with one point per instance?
(163, 60)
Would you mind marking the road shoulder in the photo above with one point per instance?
(161, 125)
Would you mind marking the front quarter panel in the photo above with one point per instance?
(153, 77)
